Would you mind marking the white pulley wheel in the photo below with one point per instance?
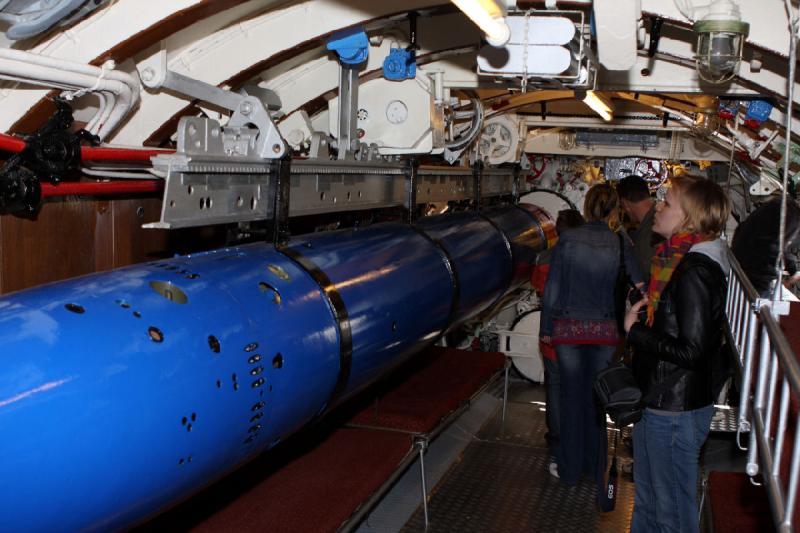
(529, 365)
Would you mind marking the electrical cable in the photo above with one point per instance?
(793, 26)
(733, 153)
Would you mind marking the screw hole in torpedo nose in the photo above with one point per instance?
(75, 308)
(277, 361)
(213, 343)
(156, 335)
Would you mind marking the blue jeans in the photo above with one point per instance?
(583, 441)
(552, 383)
(666, 452)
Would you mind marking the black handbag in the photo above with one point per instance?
(620, 395)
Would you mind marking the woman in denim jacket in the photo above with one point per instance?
(578, 318)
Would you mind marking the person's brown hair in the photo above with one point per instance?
(568, 219)
(705, 204)
(602, 203)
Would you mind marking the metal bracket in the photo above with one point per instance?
(280, 220)
(239, 138)
(213, 178)
(411, 173)
(778, 308)
(477, 183)
(421, 444)
(346, 135)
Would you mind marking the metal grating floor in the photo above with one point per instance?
(501, 483)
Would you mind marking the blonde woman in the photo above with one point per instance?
(675, 352)
(578, 318)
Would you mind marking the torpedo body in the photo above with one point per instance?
(122, 393)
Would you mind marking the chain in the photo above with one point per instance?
(525, 54)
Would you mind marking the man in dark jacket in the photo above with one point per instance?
(636, 201)
(755, 244)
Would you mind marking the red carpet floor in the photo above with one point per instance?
(449, 378)
(318, 491)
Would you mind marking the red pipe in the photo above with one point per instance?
(108, 153)
(9, 143)
(102, 188)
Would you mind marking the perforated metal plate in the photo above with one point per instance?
(506, 488)
(502, 483)
(725, 419)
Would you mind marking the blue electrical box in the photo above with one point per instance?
(758, 110)
(400, 64)
(351, 45)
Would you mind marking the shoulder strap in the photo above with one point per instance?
(622, 270)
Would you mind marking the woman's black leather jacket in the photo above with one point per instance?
(687, 333)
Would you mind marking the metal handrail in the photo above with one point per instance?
(741, 304)
(777, 376)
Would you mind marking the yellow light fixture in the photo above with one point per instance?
(599, 104)
(489, 17)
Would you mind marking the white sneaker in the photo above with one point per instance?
(553, 468)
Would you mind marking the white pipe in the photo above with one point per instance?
(60, 78)
(102, 116)
(71, 66)
(55, 72)
(102, 109)
(117, 174)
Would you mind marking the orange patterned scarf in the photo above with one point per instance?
(668, 254)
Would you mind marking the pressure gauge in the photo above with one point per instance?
(396, 112)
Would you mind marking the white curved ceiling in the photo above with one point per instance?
(271, 34)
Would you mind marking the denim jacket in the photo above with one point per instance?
(583, 271)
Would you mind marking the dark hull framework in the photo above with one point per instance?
(142, 385)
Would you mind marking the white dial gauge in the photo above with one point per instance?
(396, 112)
